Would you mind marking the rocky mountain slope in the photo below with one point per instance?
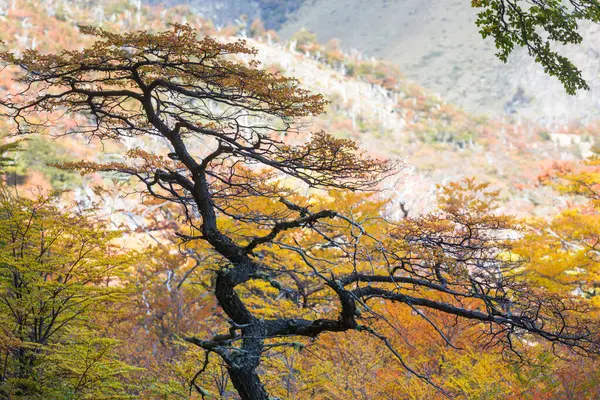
(436, 43)
(371, 101)
(273, 13)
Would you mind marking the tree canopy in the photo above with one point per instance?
(57, 269)
(538, 26)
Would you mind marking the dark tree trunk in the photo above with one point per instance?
(243, 362)
(248, 384)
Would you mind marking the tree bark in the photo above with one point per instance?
(248, 384)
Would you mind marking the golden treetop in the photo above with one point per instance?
(171, 60)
